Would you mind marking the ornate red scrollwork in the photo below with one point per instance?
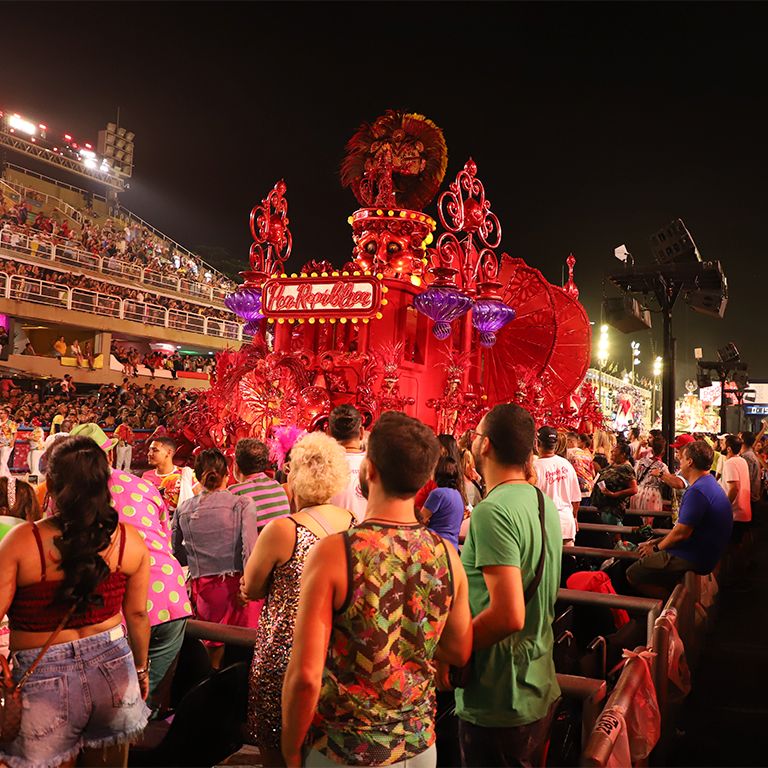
(272, 238)
(570, 287)
(464, 209)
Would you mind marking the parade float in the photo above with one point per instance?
(699, 412)
(426, 317)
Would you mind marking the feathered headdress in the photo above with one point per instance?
(283, 439)
(398, 160)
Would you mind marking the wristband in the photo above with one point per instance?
(656, 548)
(144, 671)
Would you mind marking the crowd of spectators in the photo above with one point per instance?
(318, 586)
(131, 358)
(141, 305)
(119, 241)
(139, 406)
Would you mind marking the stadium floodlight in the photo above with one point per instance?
(87, 153)
(116, 143)
(18, 123)
(602, 346)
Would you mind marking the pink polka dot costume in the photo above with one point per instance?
(139, 504)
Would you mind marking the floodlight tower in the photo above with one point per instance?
(678, 270)
(110, 163)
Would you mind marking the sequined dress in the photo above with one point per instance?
(274, 639)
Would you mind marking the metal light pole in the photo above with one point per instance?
(602, 359)
(658, 367)
(635, 345)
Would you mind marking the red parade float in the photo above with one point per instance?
(429, 322)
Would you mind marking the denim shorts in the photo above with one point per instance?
(82, 694)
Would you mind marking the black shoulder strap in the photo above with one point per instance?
(534, 585)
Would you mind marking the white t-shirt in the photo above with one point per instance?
(352, 497)
(737, 469)
(556, 477)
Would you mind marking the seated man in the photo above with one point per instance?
(700, 536)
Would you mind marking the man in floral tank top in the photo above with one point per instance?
(379, 604)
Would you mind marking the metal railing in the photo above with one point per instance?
(621, 529)
(50, 180)
(592, 693)
(638, 512)
(651, 608)
(30, 289)
(42, 249)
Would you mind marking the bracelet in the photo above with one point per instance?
(143, 671)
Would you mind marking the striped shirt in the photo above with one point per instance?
(268, 496)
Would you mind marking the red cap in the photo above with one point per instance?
(682, 440)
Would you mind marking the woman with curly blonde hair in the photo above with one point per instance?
(318, 471)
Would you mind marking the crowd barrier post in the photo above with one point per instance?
(678, 612)
(602, 740)
(592, 694)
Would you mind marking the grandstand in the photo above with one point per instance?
(77, 264)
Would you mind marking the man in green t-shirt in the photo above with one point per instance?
(506, 706)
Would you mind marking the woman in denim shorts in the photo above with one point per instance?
(81, 567)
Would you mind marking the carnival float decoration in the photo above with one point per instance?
(699, 412)
(433, 323)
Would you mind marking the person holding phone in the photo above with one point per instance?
(615, 485)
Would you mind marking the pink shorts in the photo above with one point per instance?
(216, 599)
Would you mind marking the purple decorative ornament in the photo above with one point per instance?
(442, 304)
(489, 316)
(245, 302)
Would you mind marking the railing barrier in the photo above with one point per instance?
(36, 291)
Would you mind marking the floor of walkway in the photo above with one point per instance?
(724, 722)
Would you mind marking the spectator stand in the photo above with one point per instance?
(19, 462)
(20, 288)
(42, 252)
(212, 285)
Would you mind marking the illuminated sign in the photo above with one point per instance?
(756, 410)
(331, 297)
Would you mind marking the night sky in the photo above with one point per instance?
(592, 125)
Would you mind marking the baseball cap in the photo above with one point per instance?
(682, 440)
(547, 436)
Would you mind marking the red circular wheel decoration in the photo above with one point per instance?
(547, 342)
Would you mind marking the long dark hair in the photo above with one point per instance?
(78, 480)
(210, 468)
(450, 450)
